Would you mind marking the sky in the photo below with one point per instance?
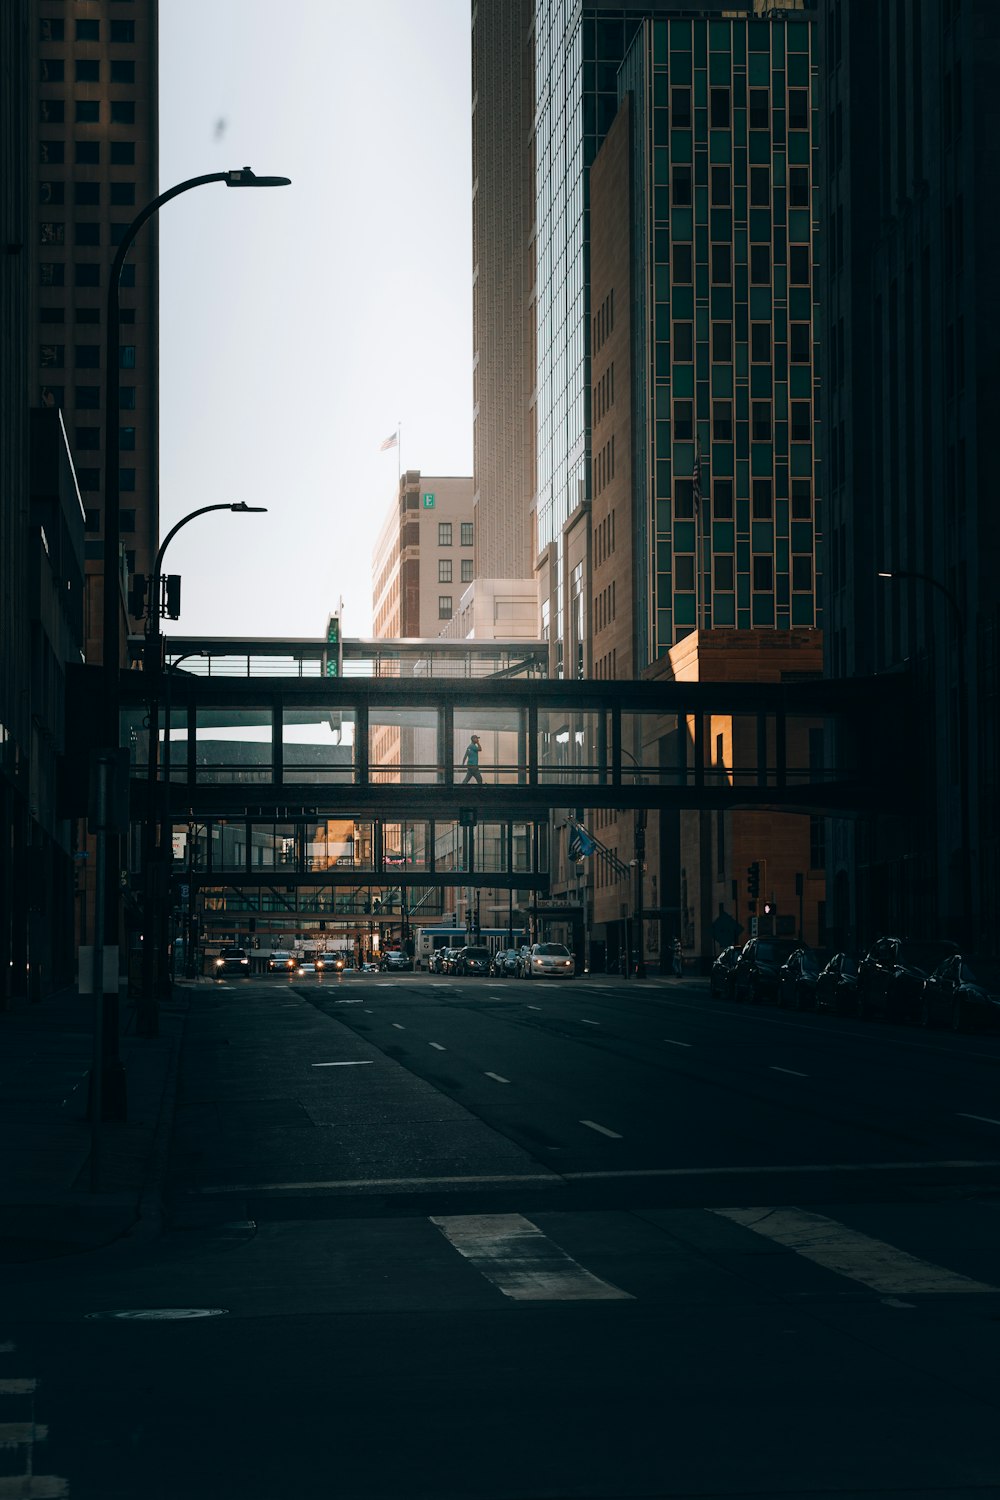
(300, 326)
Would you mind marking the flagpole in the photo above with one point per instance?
(399, 453)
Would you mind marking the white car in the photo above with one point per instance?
(549, 959)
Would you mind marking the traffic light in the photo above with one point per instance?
(137, 596)
(770, 908)
(172, 596)
(753, 880)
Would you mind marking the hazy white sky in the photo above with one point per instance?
(298, 325)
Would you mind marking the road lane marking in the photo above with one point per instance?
(357, 1062)
(398, 1027)
(793, 1071)
(498, 1077)
(671, 1043)
(601, 1129)
(985, 1118)
(521, 1261)
(534, 1007)
(437, 1046)
(369, 1012)
(874, 1263)
(589, 1023)
(15, 1386)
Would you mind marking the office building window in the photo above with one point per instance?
(52, 192)
(802, 573)
(760, 415)
(88, 397)
(681, 264)
(724, 572)
(51, 112)
(88, 31)
(126, 357)
(722, 499)
(680, 108)
(52, 315)
(123, 153)
(801, 422)
(798, 109)
(798, 187)
(52, 356)
(722, 343)
(683, 499)
(720, 109)
(467, 566)
(87, 273)
(88, 439)
(760, 110)
(87, 153)
(88, 315)
(760, 186)
(91, 517)
(126, 397)
(89, 479)
(760, 343)
(126, 518)
(52, 395)
(683, 343)
(51, 273)
(722, 421)
(683, 421)
(798, 265)
(444, 570)
(763, 507)
(722, 264)
(122, 193)
(682, 186)
(50, 233)
(444, 607)
(126, 480)
(87, 234)
(799, 343)
(88, 356)
(466, 535)
(122, 112)
(444, 533)
(126, 315)
(51, 153)
(51, 70)
(684, 574)
(801, 499)
(126, 438)
(760, 265)
(51, 31)
(88, 70)
(722, 195)
(123, 72)
(763, 574)
(128, 274)
(123, 31)
(87, 112)
(86, 194)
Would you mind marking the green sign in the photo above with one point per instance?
(428, 500)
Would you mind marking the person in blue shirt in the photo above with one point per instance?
(471, 760)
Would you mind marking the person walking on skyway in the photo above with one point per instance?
(471, 759)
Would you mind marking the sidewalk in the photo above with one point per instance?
(47, 1207)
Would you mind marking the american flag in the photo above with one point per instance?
(390, 442)
(696, 477)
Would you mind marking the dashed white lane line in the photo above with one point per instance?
(671, 1043)
(521, 1261)
(984, 1118)
(499, 1077)
(589, 1023)
(358, 1062)
(793, 1071)
(437, 1046)
(369, 1012)
(601, 1129)
(849, 1253)
(398, 1027)
(534, 1007)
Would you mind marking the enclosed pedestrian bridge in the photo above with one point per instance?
(259, 729)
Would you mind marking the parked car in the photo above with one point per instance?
(448, 960)
(394, 959)
(280, 963)
(755, 976)
(335, 963)
(552, 959)
(892, 974)
(963, 993)
(720, 979)
(523, 959)
(504, 963)
(837, 985)
(472, 960)
(798, 977)
(232, 961)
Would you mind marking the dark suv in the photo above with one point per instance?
(473, 960)
(232, 961)
(758, 968)
(892, 974)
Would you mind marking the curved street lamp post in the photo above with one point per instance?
(112, 1095)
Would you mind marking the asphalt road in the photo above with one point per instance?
(476, 1240)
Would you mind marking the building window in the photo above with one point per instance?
(798, 109)
(52, 395)
(724, 572)
(88, 439)
(126, 480)
(466, 533)
(683, 343)
(88, 70)
(760, 343)
(50, 70)
(680, 108)
(798, 265)
(123, 72)
(798, 187)
(801, 500)
(88, 397)
(722, 184)
(51, 273)
(87, 234)
(683, 499)
(801, 422)
(51, 153)
(123, 31)
(88, 315)
(681, 264)
(86, 194)
(444, 570)
(51, 31)
(122, 193)
(760, 110)
(51, 112)
(467, 566)
(722, 421)
(122, 112)
(88, 356)
(123, 153)
(52, 356)
(760, 186)
(87, 153)
(760, 414)
(444, 607)
(126, 519)
(52, 315)
(720, 109)
(799, 343)
(126, 357)
(126, 438)
(722, 343)
(760, 265)
(90, 479)
(126, 397)
(88, 31)
(683, 421)
(682, 186)
(684, 574)
(722, 499)
(91, 518)
(52, 192)
(722, 264)
(763, 507)
(87, 112)
(763, 574)
(802, 574)
(444, 533)
(50, 233)
(87, 273)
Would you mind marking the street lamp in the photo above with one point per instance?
(147, 1018)
(107, 1005)
(639, 828)
(958, 621)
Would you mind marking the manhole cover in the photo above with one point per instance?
(160, 1314)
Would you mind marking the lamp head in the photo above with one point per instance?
(881, 574)
(246, 177)
(242, 506)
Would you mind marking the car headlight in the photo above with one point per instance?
(244, 961)
(219, 962)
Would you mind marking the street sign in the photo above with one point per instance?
(726, 929)
(428, 500)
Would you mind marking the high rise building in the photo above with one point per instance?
(95, 148)
(910, 216)
(424, 556)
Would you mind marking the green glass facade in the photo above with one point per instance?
(724, 318)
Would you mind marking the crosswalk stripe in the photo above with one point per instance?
(874, 1263)
(521, 1261)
